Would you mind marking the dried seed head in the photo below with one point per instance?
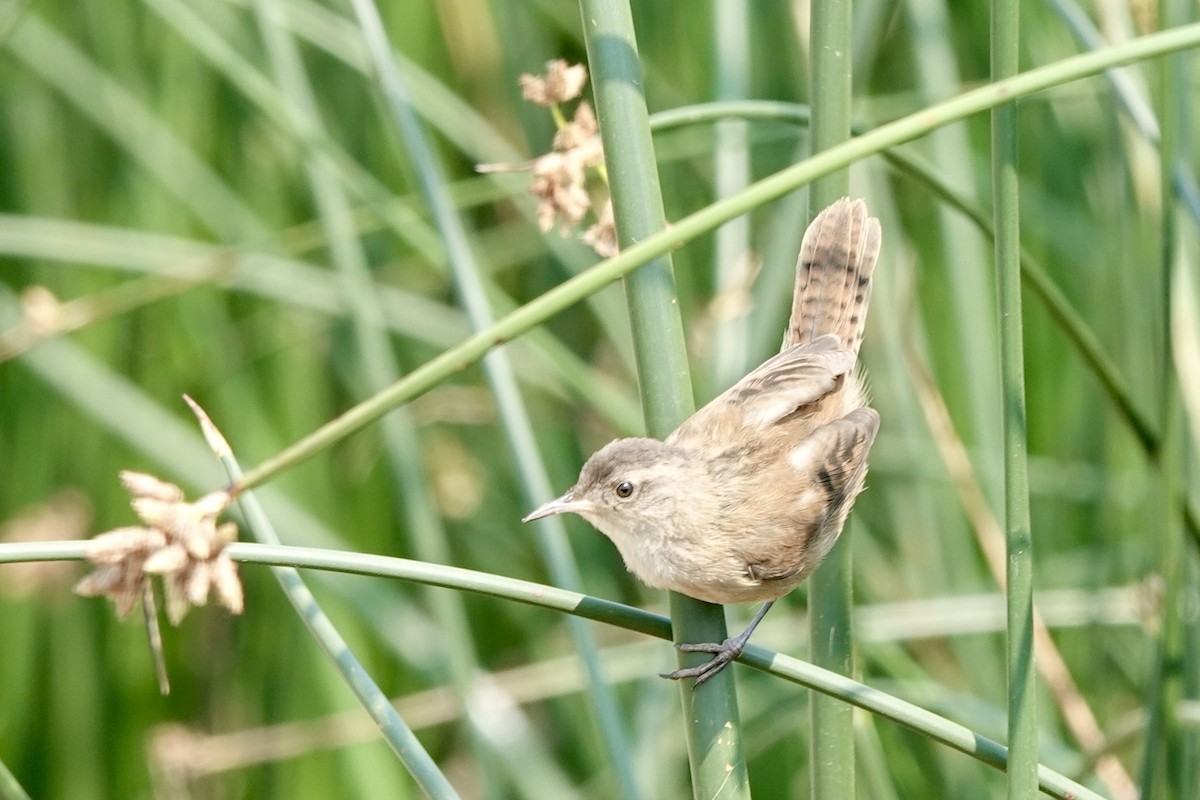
(228, 586)
(602, 237)
(581, 131)
(100, 581)
(227, 532)
(175, 597)
(212, 504)
(139, 484)
(171, 558)
(560, 83)
(156, 513)
(180, 541)
(200, 544)
(120, 544)
(559, 178)
(120, 583)
(199, 578)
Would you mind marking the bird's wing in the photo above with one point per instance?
(829, 469)
(791, 380)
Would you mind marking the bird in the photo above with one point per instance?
(745, 498)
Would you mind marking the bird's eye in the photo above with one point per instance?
(624, 489)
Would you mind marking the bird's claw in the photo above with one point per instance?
(706, 647)
(723, 653)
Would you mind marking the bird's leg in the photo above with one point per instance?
(723, 652)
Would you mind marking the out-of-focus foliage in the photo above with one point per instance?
(154, 200)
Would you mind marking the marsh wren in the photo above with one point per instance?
(745, 498)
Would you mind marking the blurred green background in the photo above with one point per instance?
(156, 205)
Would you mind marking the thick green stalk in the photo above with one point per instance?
(830, 605)
(1022, 674)
(712, 725)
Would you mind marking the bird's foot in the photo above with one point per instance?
(723, 653)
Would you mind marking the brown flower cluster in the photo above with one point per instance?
(559, 178)
(180, 541)
(602, 237)
(562, 82)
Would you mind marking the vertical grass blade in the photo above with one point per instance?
(378, 368)
(1022, 677)
(518, 427)
(971, 300)
(830, 605)
(1164, 760)
(146, 140)
(731, 174)
(1179, 263)
(713, 728)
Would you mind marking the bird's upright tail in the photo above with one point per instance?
(833, 276)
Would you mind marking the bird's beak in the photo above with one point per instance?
(567, 504)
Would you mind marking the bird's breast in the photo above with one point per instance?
(703, 553)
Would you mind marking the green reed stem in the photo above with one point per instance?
(1022, 673)
(830, 605)
(711, 720)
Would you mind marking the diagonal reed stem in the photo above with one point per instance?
(636, 255)
(395, 731)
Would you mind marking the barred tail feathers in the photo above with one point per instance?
(833, 276)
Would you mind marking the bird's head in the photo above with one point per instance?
(630, 488)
